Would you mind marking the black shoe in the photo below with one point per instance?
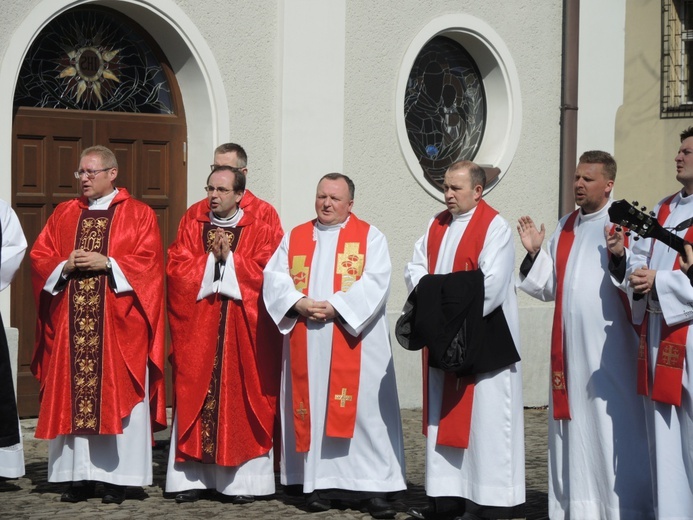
(243, 499)
(319, 505)
(380, 508)
(191, 495)
(78, 492)
(113, 494)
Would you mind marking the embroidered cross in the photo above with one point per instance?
(350, 265)
(343, 398)
(558, 382)
(670, 356)
(299, 272)
(302, 411)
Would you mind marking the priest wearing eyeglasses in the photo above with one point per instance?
(225, 370)
(97, 272)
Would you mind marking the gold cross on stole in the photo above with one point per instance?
(302, 411)
(343, 398)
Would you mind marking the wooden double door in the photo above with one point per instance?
(46, 147)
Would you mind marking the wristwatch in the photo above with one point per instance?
(108, 264)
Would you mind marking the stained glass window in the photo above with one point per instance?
(444, 107)
(93, 60)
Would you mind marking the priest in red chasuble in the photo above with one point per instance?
(326, 288)
(97, 272)
(475, 464)
(225, 366)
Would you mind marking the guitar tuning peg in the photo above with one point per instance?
(627, 233)
(643, 209)
(635, 203)
(636, 238)
(653, 214)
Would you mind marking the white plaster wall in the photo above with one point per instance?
(601, 73)
(387, 195)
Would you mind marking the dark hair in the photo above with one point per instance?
(476, 172)
(337, 176)
(688, 132)
(233, 148)
(238, 176)
(603, 158)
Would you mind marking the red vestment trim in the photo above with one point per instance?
(559, 387)
(345, 366)
(458, 393)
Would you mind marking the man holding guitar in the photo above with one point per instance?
(666, 349)
(597, 438)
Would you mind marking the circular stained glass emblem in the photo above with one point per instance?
(444, 107)
(93, 59)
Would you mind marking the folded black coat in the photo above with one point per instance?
(445, 313)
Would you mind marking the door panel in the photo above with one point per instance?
(47, 146)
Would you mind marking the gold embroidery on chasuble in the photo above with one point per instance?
(343, 398)
(558, 381)
(209, 416)
(350, 265)
(86, 293)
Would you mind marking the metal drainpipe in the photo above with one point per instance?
(569, 104)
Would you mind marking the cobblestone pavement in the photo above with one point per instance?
(34, 498)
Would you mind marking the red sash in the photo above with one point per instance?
(667, 385)
(345, 366)
(458, 393)
(559, 388)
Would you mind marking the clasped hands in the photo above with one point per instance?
(221, 247)
(315, 311)
(81, 260)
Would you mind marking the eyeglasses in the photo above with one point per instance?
(215, 167)
(90, 174)
(221, 191)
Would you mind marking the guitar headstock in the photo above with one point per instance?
(628, 215)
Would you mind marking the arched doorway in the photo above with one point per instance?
(91, 76)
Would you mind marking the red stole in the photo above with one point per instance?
(345, 367)
(668, 377)
(458, 393)
(559, 388)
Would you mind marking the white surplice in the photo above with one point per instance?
(13, 249)
(669, 428)
(373, 460)
(596, 458)
(491, 471)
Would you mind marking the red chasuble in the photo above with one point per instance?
(239, 425)
(345, 367)
(667, 385)
(458, 394)
(121, 340)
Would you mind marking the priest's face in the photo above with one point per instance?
(223, 200)
(460, 195)
(102, 183)
(592, 187)
(684, 164)
(333, 201)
